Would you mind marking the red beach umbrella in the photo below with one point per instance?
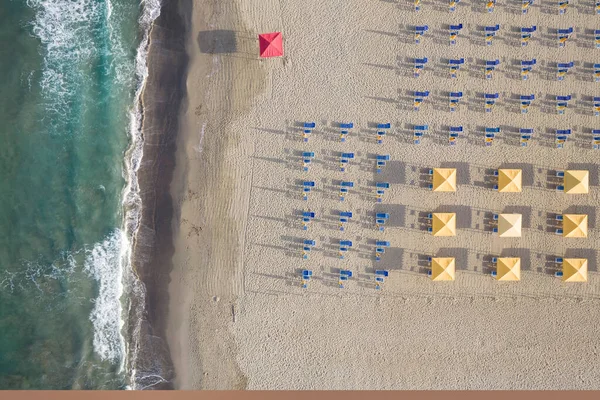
(271, 44)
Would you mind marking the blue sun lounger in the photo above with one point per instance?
(562, 69)
(306, 248)
(307, 216)
(380, 247)
(526, 102)
(308, 128)
(526, 134)
(344, 187)
(345, 159)
(490, 67)
(490, 100)
(344, 247)
(558, 231)
(344, 218)
(344, 276)
(307, 157)
(563, 35)
(381, 186)
(527, 67)
(454, 31)
(453, 132)
(560, 174)
(419, 130)
(306, 275)
(381, 219)
(419, 97)
(454, 100)
(380, 275)
(306, 187)
(381, 161)
(527, 34)
(562, 102)
(561, 137)
(490, 32)
(419, 66)
(558, 260)
(596, 139)
(381, 131)
(420, 31)
(344, 130)
(490, 134)
(455, 66)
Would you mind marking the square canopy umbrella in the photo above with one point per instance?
(509, 225)
(443, 224)
(271, 44)
(444, 179)
(509, 269)
(577, 182)
(574, 270)
(575, 225)
(509, 180)
(443, 269)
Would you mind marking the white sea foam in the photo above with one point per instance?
(103, 263)
(131, 195)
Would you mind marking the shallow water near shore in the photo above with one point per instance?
(71, 77)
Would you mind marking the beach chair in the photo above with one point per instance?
(558, 260)
(562, 6)
(345, 216)
(306, 188)
(563, 35)
(344, 130)
(558, 274)
(419, 131)
(490, 66)
(596, 139)
(419, 66)
(560, 174)
(344, 187)
(419, 97)
(453, 133)
(306, 275)
(596, 106)
(495, 217)
(381, 131)
(490, 100)
(380, 220)
(454, 99)
(494, 260)
(597, 38)
(527, 34)
(596, 72)
(419, 32)
(453, 4)
(562, 102)
(525, 5)
(307, 217)
(558, 231)
(417, 5)
(527, 67)
(455, 66)
(526, 102)
(495, 230)
(344, 160)
(380, 190)
(307, 157)
(560, 188)
(562, 69)
(490, 32)
(496, 173)
(454, 31)
(526, 134)
(345, 245)
(306, 248)
(430, 172)
(490, 134)
(490, 5)
(308, 128)
(381, 161)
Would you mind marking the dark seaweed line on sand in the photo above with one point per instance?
(153, 245)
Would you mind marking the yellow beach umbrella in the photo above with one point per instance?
(509, 225)
(444, 179)
(575, 270)
(575, 225)
(577, 181)
(509, 180)
(509, 269)
(443, 269)
(444, 224)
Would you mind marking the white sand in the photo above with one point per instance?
(347, 61)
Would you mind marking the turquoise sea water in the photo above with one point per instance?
(68, 84)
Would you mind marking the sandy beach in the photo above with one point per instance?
(238, 317)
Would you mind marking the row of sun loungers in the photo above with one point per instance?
(455, 131)
(490, 6)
